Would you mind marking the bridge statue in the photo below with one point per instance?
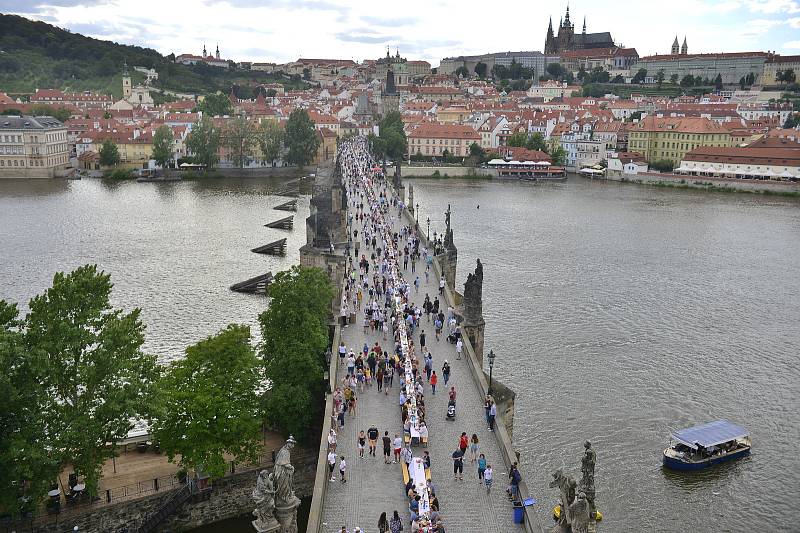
(276, 503)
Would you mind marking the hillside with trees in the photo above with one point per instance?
(35, 54)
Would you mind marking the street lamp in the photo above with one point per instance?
(416, 212)
(429, 228)
(491, 366)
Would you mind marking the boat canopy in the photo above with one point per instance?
(710, 434)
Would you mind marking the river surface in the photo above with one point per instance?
(617, 312)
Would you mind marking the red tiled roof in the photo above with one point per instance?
(444, 131)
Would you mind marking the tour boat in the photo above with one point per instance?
(702, 446)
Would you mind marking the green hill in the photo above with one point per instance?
(34, 54)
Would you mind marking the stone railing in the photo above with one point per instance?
(321, 479)
(532, 524)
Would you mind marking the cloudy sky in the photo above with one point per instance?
(283, 30)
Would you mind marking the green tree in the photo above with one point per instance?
(295, 336)
(663, 165)
(618, 79)
(792, 121)
(582, 73)
(640, 75)
(270, 138)
(162, 145)
(107, 115)
(536, 142)
(240, 138)
(302, 139)
(475, 150)
(636, 115)
(687, 81)
(788, 76)
(480, 69)
(555, 70)
(216, 104)
(500, 72)
(718, 82)
(90, 362)
(24, 453)
(462, 72)
(109, 153)
(203, 141)
(393, 137)
(209, 403)
(518, 139)
(673, 79)
(559, 156)
(43, 110)
(660, 77)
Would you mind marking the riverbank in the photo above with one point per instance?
(439, 172)
(674, 181)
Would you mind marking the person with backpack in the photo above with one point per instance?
(446, 372)
(515, 477)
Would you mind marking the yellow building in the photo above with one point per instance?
(435, 139)
(780, 64)
(452, 115)
(32, 147)
(672, 137)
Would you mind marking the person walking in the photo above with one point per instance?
(331, 463)
(458, 464)
(387, 447)
(446, 372)
(434, 381)
(362, 441)
(372, 435)
(463, 443)
(342, 469)
(396, 524)
(383, 524)
(473, 448)
(488, 477)
(459, 346)
(481, 468)
(492, 415)
(398, 446)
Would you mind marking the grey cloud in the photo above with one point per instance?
(293, 5)
(390, 21)
(365, 38)
(28, 6)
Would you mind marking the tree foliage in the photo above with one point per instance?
(209, 403)
(660, 77)
(270, 138)
(640, 75)
(240, 139)
(462, 72)
(662, 165)
(162, 145)
(392, 135)
(88, 378)
(559, 157)
(109, 153)
(43, 110)
(216, 104)
(295, 336)
(203, 142)
(480, 69)
(302, 140)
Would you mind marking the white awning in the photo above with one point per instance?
(786, 174)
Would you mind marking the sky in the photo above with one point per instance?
(284, 30)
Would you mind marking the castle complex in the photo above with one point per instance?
(568, 40)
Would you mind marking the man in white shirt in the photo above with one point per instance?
(331, 463)
(459, 345)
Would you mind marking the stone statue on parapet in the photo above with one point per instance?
(579, 513)
(473, 294)
(284, 475)
(566, 486)
(587, 480)
(264, 498)
(447, 220)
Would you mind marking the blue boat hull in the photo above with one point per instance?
(676, 464)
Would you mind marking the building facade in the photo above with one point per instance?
(730, 66)
(435, 139)
(32, 147)
(777, 64)
(671, 138)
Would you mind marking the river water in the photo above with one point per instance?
(618, 312)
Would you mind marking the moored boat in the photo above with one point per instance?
(705, 445)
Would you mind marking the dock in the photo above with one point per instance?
(291, 205)
(255, 285)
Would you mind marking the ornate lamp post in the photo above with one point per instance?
(416, 213)
(429, 228)
(491, 357)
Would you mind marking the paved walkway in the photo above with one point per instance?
(374, 487)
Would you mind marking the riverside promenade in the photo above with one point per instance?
(374, 487)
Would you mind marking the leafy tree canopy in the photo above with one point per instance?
(301, 138)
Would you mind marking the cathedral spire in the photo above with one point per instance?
(584, 24)
(566, 17)
(685, 47)
(675, 46)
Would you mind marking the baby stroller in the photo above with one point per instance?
(451, 410)
(453, 337)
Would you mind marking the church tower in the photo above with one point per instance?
(549, 42)
(204, 50)
(584, 25)
(217, 50)
(127, 88)
(390, 98)
(675, 47)
(684, 48)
